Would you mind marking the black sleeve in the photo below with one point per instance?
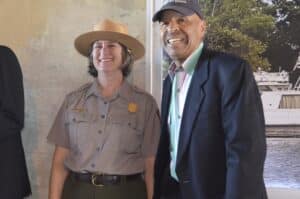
(243, 121)
(11, 93)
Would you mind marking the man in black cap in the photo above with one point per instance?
(213, 142)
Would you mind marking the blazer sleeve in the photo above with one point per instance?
(12, 94)
(244, 125)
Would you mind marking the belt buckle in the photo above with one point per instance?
(94, 178)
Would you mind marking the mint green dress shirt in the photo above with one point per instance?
(174, 113)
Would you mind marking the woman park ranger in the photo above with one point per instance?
(106, 132)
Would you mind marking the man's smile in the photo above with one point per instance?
(174, 40)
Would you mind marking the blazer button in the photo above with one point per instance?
(186, 181)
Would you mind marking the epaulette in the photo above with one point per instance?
(76, 97)
(141, 91)
(137, 89)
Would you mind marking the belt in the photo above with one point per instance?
(104, 179)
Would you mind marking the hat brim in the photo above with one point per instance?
(84, 42)
(181, 9)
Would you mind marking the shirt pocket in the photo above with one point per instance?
(80, 128)
(129, 134)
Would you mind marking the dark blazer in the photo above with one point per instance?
(222, 143)
(14, 182)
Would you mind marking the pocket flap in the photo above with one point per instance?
(81, 117)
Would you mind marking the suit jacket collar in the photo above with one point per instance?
(165, 104)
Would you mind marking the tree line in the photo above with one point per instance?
(265, 33)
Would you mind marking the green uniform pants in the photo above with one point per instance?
(74, 189)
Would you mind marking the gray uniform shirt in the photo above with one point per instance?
(111, 136)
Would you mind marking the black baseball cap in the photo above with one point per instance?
(185, 7)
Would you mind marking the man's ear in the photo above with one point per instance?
(203, 25)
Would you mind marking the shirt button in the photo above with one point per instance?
(100, 131)
(98, 148)
(93, 165)
(105, 103)
(102, 116)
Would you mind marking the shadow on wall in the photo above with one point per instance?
(30, 136)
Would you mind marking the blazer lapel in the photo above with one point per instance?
(193, 103)
(165, 104)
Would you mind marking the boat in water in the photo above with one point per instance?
(281, 103)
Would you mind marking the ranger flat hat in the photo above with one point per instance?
(112, 31)
(185, 7)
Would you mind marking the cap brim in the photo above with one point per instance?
(181, 9)
(84, 42)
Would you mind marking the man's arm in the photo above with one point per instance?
(243, 123)
(59, 173)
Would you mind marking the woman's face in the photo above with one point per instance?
(107, 56)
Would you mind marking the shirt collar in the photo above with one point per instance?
(189, 64)
(93, 90)
(123, 92)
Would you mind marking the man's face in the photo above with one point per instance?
(181, 35)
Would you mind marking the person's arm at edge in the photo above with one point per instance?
(149, 175)
(150, 144)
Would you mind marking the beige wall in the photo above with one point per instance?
(41, 32)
